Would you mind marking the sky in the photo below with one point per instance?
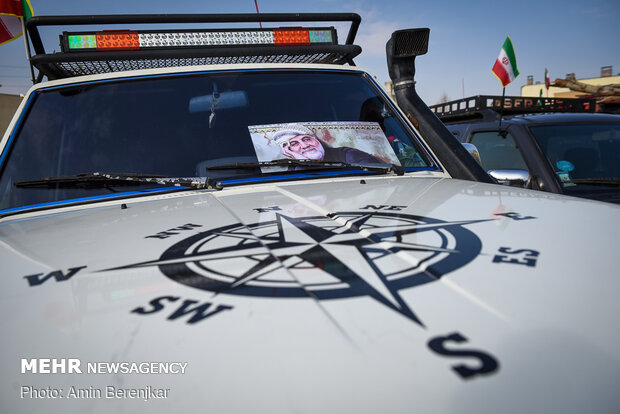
(465, 37)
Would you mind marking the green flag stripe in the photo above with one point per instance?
(26, 9)
(510, 54)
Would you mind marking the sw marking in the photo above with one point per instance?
(198, 312)
(487, 364)
(59, 275)
(525, 256)
(173, 231)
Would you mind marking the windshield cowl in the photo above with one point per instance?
(310, 164)
(96, 179)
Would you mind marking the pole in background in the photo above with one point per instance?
(257, 12)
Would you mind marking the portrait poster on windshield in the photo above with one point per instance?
(358, 143)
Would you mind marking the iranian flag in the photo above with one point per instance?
(11, 14)
(505, 67)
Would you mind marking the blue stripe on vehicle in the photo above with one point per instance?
(61, 203)
(311, 175)
(93, 198)
(297, 175)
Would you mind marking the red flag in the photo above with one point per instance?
(547, 82)
(11, 13)
(505, 67)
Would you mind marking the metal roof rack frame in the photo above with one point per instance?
(489, 106)
(62, 64)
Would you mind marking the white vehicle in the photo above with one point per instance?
(226, 222)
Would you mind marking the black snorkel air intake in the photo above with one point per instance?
(401, 50)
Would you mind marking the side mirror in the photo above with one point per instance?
(514, 178)
(473, 151)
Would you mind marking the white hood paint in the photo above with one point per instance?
(531, 287)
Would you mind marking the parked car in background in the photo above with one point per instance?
(555, 145)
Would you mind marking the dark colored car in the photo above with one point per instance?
(534, 146)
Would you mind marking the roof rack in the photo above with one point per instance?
(482, 106)
(87, 53)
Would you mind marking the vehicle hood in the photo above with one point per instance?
(399, 294)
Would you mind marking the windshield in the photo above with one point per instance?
(585, 157)
(178, 126)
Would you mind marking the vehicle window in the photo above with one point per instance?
(173, 126)
(498, 152)
(581, 151)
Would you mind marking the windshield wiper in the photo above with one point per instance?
(379, 168)
(96, 179)
(612, 182)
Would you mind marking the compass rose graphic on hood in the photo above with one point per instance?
(348, 254)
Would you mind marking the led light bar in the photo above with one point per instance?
(139, 40)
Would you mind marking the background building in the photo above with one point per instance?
(8, 106)
(571, 87)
